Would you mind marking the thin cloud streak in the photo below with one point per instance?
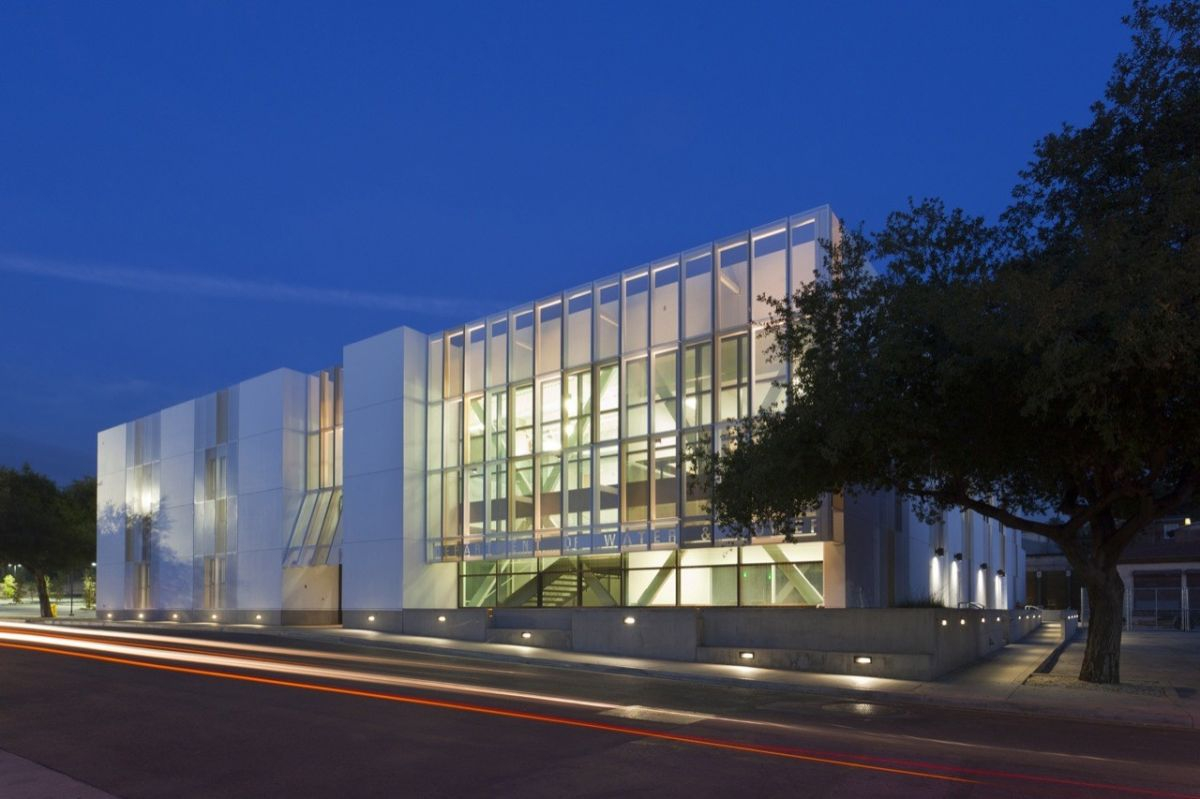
(186, 283)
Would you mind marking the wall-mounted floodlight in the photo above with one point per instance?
(958, 556)
(982, 567)
(1000, 572)
(939, 551)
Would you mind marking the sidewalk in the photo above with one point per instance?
(1158, 690)
(31, 780)
(29, 609)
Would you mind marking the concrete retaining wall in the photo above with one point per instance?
(663, 633)
(903, 643)
(1068, 618)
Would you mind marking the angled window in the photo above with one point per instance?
(665, 303)
(549, 338)
(608, 316)
(733, 290)
(520, 361)
(804, 252)
(497, 356)
(476, 346)
(454, 364)
(769, 268)
(637, 312)
(579, 329)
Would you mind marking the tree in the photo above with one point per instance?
(1043, 371)
(43, 528)
(89, 591)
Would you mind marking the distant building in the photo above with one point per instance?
(533, 458)
(1160, 569)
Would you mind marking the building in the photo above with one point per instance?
(1160, 569)
(531, 459)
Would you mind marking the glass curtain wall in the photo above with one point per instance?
(762, 575)
(562, 428)
(316, 532)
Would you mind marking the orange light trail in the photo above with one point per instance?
(499, 712)
(897, 765)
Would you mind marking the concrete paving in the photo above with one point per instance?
(29, 780)
(1162, 686)
(31, 610)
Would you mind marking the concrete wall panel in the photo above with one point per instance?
(171, 569)
(260, 404)
(374, 368)
(110, 587)
(177, 481)
(260, 580)
(261, 522)
(110, 451)
(110, 518)
(374, 437)
(178, 431)
(376, 570)
(374, 507)
(260, 463)
(311, 588)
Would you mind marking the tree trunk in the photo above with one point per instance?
(43, 593)
(1106, 620)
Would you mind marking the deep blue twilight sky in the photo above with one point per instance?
(195, 193)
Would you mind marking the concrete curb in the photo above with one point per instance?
(942, 696)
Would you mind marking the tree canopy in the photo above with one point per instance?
(45, 529)
(1043, 370)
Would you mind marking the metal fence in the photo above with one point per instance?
(1155, 608)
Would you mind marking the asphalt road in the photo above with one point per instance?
(190, 714)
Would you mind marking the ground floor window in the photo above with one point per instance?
(764, 575)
